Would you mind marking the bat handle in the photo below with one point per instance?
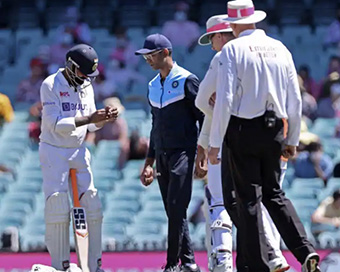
(73, 174)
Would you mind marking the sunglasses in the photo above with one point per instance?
(151, 55)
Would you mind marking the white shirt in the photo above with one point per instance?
(255, 72)
(206, 89)
(61, 104)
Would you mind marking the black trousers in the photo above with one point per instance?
(253, 154)
(230, 204)
(175, 174)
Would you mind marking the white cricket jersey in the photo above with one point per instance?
(256, 72)
(206, 89)
(61, 104)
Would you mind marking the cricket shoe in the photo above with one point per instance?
(171, 268)
(190, 268)
(311, 263)
(278, 265)
(222, 268)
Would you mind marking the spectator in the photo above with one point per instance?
(309, 106)
(309, 83)
(138, 146)
(313, 163)
(58, 51)
(75, 26)
(6, 110)
(102, 87)
(124, 51)
(329, 99)
(117, 130)
(34, 127)
(123, 77)
(181, 31)
(306, 137)
(333, 65)
(328, 212)
(29, 89)
(333, 33)
(5, 169)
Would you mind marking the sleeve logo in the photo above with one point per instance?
(48, 103)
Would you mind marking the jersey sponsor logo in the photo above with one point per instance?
(64, 94)
(73, 106)
(48, 103)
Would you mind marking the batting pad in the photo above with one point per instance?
(93, 207)
(57, 236)
(221, 237)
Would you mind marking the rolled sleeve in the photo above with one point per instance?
(293, 105)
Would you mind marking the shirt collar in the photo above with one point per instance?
(61, 77)
(173, 71)
(248, 32)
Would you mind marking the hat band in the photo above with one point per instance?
(239, 13)
(219, 26)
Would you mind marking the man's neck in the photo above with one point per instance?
(166, 69)
(67, 77)
(244, 28)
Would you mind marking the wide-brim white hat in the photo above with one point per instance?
(243, 12)
(215, 24)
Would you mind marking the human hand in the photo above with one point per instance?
(213, 155)
(201, 163)
(315, 157)
(111, 113)
(98, 116)
(289, 151)
(212, 99)
(147, 175)
(336, 222)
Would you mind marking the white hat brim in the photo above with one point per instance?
(204, 39)
(258, 16)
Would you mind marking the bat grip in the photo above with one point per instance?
(73, 174)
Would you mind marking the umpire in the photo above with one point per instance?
(257, 87)
(173, 142)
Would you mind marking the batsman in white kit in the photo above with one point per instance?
(68, 112)
(218, 33)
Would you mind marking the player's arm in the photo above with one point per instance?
(52, 117)
(318, 217)
(207, 87)
(146, 176)
(293, 105)
(225, 89)
(191, 89)
(51, 111)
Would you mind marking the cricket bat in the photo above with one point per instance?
(81, 235)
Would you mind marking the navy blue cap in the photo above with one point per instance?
(85, 57)
(153, 43)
